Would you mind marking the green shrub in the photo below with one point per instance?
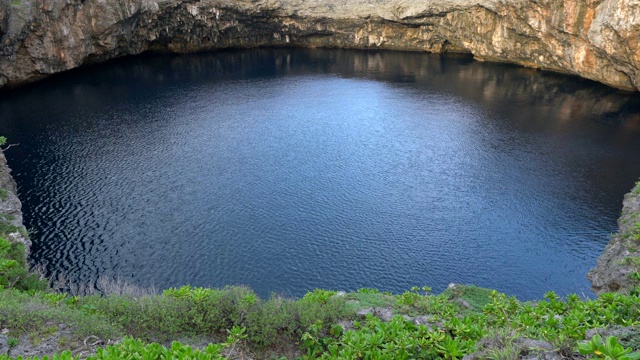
(561, 322)
(13, 268)
(319, 295)
(609, 350)
(374, 339)
(191, 312)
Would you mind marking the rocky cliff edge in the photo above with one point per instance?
(11, 225)
(621, 257)
(595, 39)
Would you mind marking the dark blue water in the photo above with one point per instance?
(288, 170)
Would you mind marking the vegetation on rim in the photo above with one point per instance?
(366, 324)
(423, 326)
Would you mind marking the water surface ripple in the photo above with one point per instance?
(287, 170)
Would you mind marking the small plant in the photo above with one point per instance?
(319, 295)
(368, 291)
(13, 342)
(249, 299)
(499, 344)
(55, 298)
(454, 348)
(610, 350)
(73, 300)
(236, 334)
(425, 289)
(179, 293)
(408, 298)
(416, 297)
(200, 294)
(312, 341)
(508, 352)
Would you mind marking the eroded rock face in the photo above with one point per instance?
(596, 39)
(613, 268)
(10, 205)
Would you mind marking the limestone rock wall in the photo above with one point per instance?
(11, 207)
(595, 39)
(621, 257)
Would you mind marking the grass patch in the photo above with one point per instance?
(631, 338)
(500, 344)
(369, 298)
(37, 316)
(632, 260)
(475, 296)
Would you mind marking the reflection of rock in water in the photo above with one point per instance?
(567, 98)
(596, 40)
(560, 97)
